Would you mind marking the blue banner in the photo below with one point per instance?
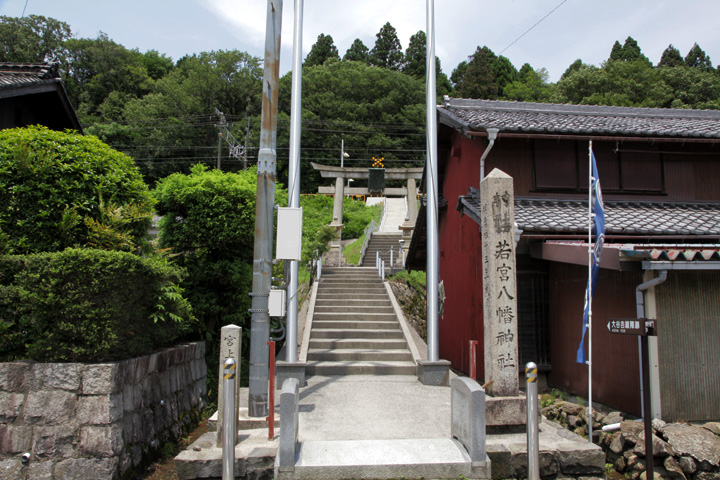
(598, 230)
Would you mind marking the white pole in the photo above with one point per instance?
(342, 154)
(589, 327)
(294, 178)
(433, 250)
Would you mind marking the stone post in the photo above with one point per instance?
(338, 205)
(230, 346)
(412, 200)
(499, 284)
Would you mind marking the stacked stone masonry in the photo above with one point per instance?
(96, 420)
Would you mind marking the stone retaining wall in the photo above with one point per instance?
(96, 421)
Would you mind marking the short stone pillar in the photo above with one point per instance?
(467, 406)
(230, 347)
(289, 398)
(500, 299)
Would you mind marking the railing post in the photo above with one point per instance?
(533, 445)
(391, 257)
(229, 429)
(377, 259)
(473, 359)
(382, 269)
(271, 393)
(319, 268)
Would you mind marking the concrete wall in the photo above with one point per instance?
(96, 420)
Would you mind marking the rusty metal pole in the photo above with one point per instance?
(264, 217)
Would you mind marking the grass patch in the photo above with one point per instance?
(352, 252)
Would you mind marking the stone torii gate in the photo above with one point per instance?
(341, 173)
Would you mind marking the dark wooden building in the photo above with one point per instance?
(33, 94)
(659, 171)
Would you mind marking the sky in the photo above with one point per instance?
(584, 29)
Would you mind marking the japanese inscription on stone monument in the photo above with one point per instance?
(499, 283)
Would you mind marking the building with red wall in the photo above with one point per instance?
(658, 170)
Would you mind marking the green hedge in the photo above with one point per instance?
(89, 305)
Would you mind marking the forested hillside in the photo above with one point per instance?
(165, 113)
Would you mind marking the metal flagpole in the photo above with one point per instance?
(264, 218)
(294, 178)
(590, 262)
(433, 251)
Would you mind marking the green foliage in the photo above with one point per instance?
(208, 225)
(323, 50)
(357, 52)
(63, 190)
(89, 305)
(97, 68)
(387, 52)
(173, 127)
(32, 39)
(357, 216)
(415, 64)
(416, 279)
(378, 112)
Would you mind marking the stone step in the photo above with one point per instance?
(402, 458)
(362, 343)
(357, 334)
(354, 286)
(327, 368)
(374, 279)
(354, 292)
(388, 308)
(354, 325)
(354, 316)
(358, 355)
(350, 296)
(345, 302)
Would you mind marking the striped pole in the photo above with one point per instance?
(533, 443)
(229, 430)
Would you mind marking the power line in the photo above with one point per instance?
(536, 24)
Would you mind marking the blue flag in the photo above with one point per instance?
(599, 231)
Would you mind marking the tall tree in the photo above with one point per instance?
(323, 50)
(575, 66)
(357, 52)
(458, 73)
(671, 58)
(32, 39)
(617, 51)
(387, 52)
(697, 58)
(479, 81)
(415, 55)
(504, 72)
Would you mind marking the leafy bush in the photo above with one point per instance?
(357, 216)
(63, 189)
(89, 305)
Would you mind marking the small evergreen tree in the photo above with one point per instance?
(697, 58)
(671, 58)
(357, 52)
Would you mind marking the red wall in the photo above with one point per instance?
(460, 259)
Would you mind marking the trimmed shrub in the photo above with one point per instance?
(86, 305)
(63, 189)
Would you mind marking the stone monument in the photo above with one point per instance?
(230, 347)
(505, 405)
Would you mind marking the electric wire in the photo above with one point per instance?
(536, 24)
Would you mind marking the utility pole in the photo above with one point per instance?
(264, 217)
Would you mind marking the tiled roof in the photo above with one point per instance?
(621, 218)
(17, 74)
(548, 118)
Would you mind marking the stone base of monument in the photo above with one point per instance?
(245, 422)
(285, 370)
(505, 414)
(434, 373)
(254, 456)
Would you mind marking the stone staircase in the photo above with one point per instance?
(382, 241)
(354, 327)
